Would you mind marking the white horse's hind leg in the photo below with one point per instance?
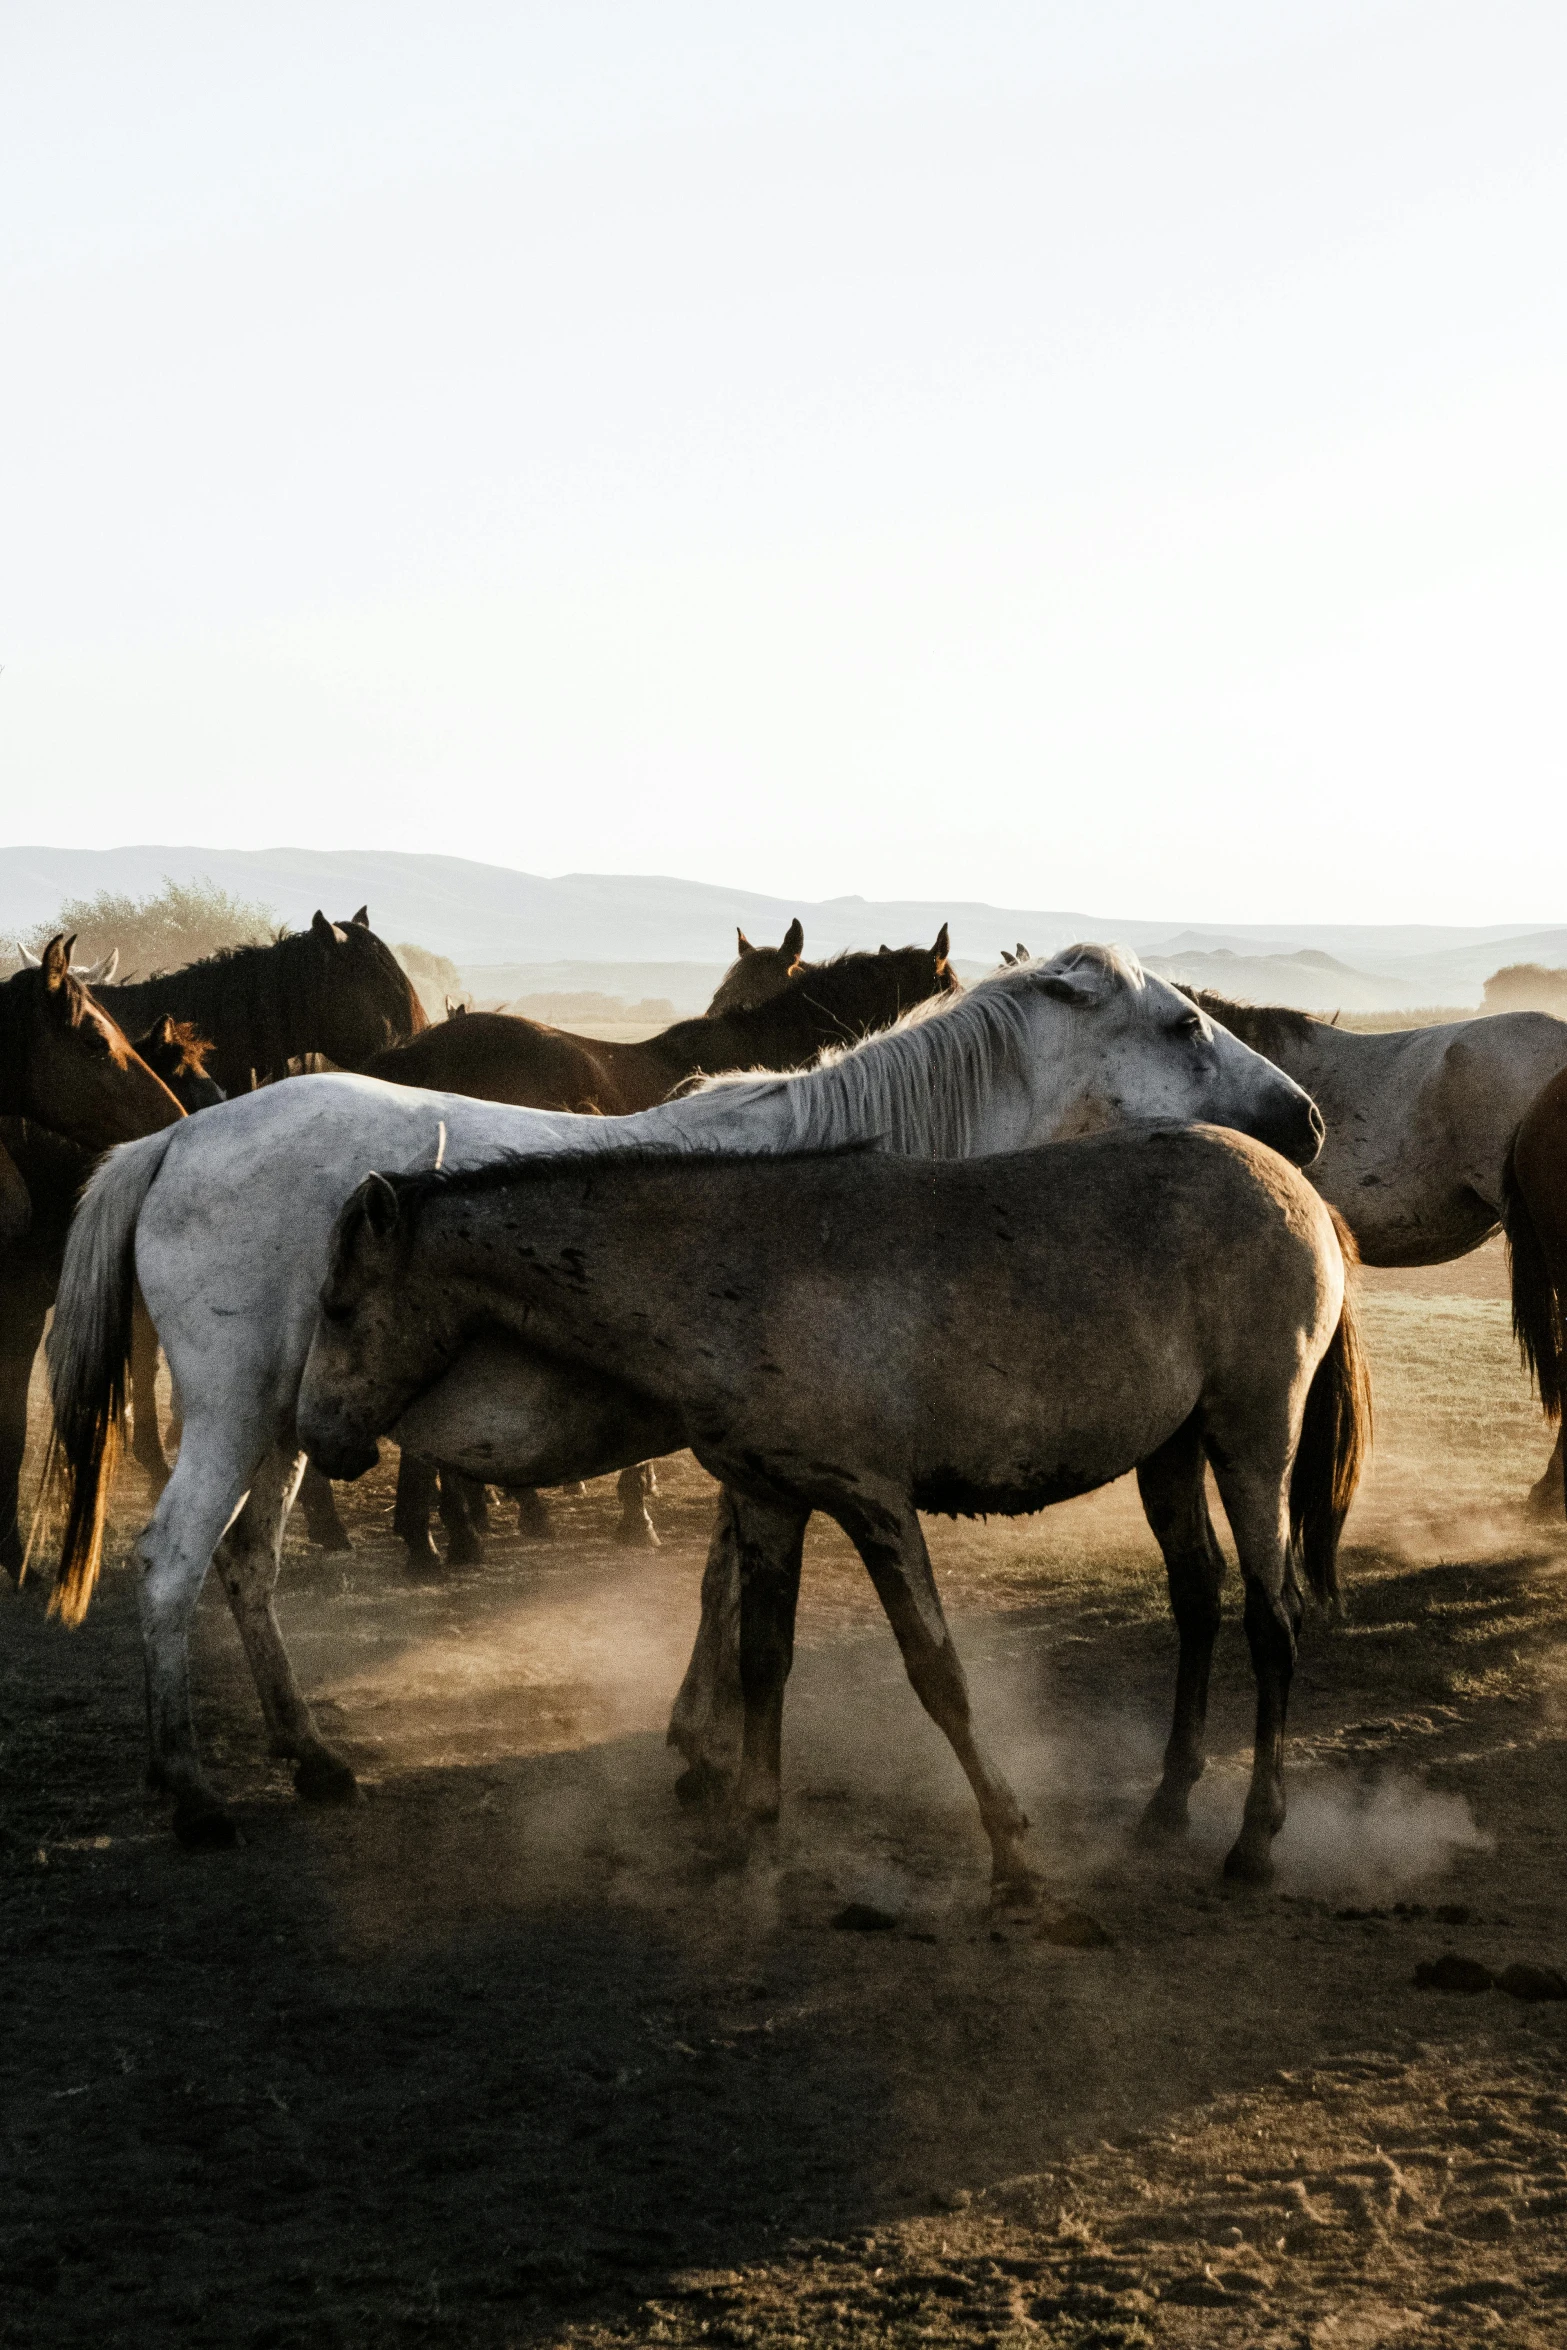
(174, 1553)
(248, 1560)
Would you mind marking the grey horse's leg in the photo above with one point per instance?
(247, 1561)
(462, 1506)
(322, 1523)
(1255, 1493)
(146, 1441)
(636, 1529)
(705, 1724)
(1171, 1482)
(886, 1533)
(770, 1542)
(533, 1516)
(415, 1499)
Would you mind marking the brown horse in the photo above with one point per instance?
(50, 1172)
(758, 972)
(65, 1063)
(495, 1056)
(70, 1084)
(334, 989)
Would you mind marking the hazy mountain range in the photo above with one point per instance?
(648, 934)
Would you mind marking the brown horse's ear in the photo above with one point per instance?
(56, 961)
(939, 950)
(794, 937)
(323, 929)
(362, 918)
(163, 1030)
(884, 948)
(742, 942)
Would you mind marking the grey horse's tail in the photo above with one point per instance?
(89, 1349)
(1537, 1312)
(1335, 1437)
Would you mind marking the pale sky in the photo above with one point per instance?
(1104, 455)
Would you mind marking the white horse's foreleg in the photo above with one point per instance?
(248, 1559)
(709, 1710)
(636, 1529)
(174, 1553)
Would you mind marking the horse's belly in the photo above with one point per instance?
(508, 1415)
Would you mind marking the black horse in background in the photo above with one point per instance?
(334, 989)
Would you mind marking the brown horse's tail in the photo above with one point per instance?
(1335, 1437)
(1537, 1311)
(89, 1349)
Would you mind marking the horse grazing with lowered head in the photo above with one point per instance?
(335, 989)
(873, 1337)
(228, 1232)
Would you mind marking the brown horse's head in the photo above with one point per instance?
(365, 999)
(176, 1051)
(759, 972)
(65, 1063)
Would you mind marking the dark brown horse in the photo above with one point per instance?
(758, 972)
(71, 1084)
(1534, 1216)
(50, 1172)
(495, 1056)
(334, 989)
(65, 1063)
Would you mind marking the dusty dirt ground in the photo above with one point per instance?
(517, 2053)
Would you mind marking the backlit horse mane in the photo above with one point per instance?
(923, 1087)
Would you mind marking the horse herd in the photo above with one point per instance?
(864, 1240)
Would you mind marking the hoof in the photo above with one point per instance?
(321, 1778)
(1164, 1821)
(205, 1827)
(423, 1557)
(700, 1787)
(1016, 1888)
(533, 1520)
(465, 1550)
(1244, 1865)
(638, 1537)
(332, 1539)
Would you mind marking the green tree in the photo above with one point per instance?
(179, 924)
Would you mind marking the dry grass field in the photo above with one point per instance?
(517, 2053)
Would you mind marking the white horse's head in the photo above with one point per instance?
(1131, 1050)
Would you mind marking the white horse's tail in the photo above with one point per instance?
(89, 1349)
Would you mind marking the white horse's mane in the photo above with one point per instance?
(923, 1086)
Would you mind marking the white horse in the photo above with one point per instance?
(1419, 1124)
(226, 1226)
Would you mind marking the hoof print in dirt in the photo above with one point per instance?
(1074, 1929)
(863, 1917)
(1523, 1981)
(1452, 1973)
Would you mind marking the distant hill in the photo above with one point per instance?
(489, 915)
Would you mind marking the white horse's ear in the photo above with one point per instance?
(99, 974)
(1009, 960)
(1070, 982)
(1023, 955)
(30, 961)
(379, 1205)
